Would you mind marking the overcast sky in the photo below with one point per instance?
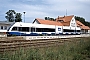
(42, 8)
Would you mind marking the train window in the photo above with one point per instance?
(78, 30)
(67, 30)
(45, 30)
(24, 29)
(20, 29)
(32, 29)
(14, 29)
(10, 26)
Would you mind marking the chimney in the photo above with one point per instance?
(64, 16)
(57, 19)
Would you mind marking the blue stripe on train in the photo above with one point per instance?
(22, 34)
(77, 33)
(36, 34)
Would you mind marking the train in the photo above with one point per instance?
(30, 29)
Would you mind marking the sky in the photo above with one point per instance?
(45, 8)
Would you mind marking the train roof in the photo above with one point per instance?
(21, 24)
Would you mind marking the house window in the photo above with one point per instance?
(72, 20)
(73, 24)
(60, 21)
(1, 27)
(5, 27)
(59, 29)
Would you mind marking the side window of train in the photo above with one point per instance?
(20, 28)
(67, 30)
(32, 29)
(77, 30)
(14, 29)
(24, 29)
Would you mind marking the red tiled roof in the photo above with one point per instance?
(79, 23)
(65, 18)
(85, 27)
(82, 26)
(41, 21)
(65, 23)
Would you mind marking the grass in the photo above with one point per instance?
(78, 49)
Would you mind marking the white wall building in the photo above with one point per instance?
(67, 24)
(4, 26)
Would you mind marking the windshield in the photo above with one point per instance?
(10, 26)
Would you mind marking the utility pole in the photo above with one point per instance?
(24, 22)
(24, 16)
(66, 12)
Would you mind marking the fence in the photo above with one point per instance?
(53, 37)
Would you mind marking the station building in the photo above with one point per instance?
(4, 26)
(67, 23)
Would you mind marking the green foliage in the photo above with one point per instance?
(82, 20)
(12, 16)
(18, 17)
(34, 55)
(48, 18)
(87, 23)
(77, 57)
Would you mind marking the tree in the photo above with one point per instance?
(52, 19)
(48, 18)
(10, 15)
(87, 23)
(18, 17)
(82, 20)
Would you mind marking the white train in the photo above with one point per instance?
(29, 29)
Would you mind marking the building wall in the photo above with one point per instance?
(66, 27)
(73, 23)
(58, 29)
(88, 31)
(4, 27)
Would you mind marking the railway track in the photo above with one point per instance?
(12, 44)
